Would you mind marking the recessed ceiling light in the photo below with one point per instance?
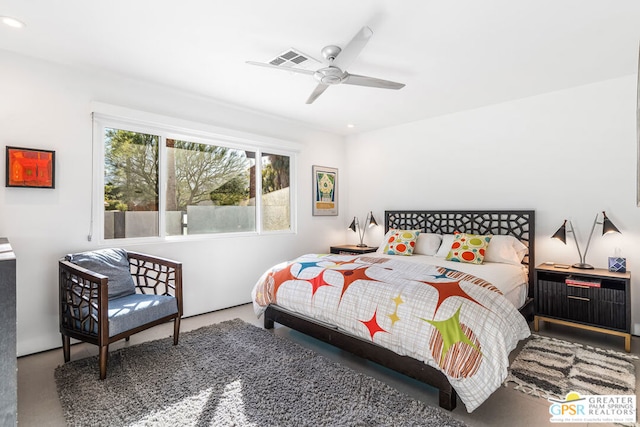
(351, 125)
(12, 22)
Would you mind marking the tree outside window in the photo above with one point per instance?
(209, 188)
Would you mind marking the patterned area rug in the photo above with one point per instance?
(232, 374)
(551, 368)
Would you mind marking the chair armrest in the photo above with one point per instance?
(81, 272)
(152, 258)
(160, 276)
(83, 300)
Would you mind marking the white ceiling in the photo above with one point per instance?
(452, 54)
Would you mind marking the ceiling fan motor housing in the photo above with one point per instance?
(329, 76)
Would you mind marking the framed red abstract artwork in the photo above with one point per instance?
(28, 167)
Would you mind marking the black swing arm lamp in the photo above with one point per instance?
(355, 226)
(561, 234)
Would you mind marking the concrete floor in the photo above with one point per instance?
(38, 403)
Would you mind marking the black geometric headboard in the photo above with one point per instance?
(520, 224)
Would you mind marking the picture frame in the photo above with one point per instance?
(30, 168)
(325, 191)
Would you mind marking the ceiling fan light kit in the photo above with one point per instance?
(337, 60)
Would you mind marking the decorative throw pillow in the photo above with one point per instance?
(113, 263)
(385, 239)
(401, 242)
(469, 248)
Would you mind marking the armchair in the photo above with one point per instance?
(110, 294)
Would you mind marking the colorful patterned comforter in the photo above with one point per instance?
(451, 320)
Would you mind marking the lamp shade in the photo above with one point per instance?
(561, 234)
(353, 225)
(372, 221)
(607, 225)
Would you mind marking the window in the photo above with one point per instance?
(276, 206)
(159, 184)
(209, 189)
(130, 184)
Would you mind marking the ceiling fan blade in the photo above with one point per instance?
(353, 48)
(317, 92)
(355, 79)
(290, 69)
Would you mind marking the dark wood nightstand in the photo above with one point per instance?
(597, 300)
(352, 249)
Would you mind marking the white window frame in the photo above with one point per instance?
(109, 116)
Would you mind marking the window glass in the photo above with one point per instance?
(209, 189)
(130, 184)
(276, 203)
(157, 184)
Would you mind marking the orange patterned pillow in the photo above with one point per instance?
(469, 248)
(401, 242)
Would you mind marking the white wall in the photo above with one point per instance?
(567, 154)
(43, 105)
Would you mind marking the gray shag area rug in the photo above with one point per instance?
(232, 374)
(551, 368)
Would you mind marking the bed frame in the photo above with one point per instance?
(520, 224)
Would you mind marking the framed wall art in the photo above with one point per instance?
(325, 190)
(29, 167)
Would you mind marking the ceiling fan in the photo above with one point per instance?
(337, 60)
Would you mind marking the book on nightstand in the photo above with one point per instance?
(582, 281)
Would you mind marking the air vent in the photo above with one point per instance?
(277, 61)
(296, 59)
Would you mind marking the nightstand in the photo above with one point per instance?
(597, 300)
(352, 249)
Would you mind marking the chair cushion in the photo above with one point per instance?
(113, 263)
(131, 311)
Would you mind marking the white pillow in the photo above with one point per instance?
(445, 246)
(427, 244)
(505, 249)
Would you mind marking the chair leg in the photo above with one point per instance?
(103, 358)
(66, 348)
(176, 330)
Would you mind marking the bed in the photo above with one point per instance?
(411, 332)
